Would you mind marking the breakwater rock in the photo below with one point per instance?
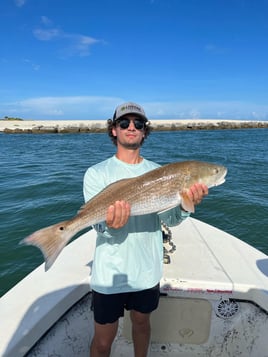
(100, 126)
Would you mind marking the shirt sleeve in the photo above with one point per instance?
(94, 183)
(174, 216)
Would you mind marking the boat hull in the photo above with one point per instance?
(214, 301)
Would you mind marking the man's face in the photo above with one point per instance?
(129, 131)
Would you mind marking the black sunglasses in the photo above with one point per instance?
(124, 123)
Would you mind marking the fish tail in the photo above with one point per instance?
(50, 241)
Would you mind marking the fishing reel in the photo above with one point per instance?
(168, 245)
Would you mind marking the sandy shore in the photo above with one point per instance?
(83, 126)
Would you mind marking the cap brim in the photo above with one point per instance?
(132, 113)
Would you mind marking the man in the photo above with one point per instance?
(127, 267)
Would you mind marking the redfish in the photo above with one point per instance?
(155, 191)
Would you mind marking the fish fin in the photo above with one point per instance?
(50, 241)
(82, 208)
(186, 202)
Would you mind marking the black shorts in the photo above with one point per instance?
(108, 308)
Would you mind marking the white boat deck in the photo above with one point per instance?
(210, 261)
(27, 310)
(207, 264)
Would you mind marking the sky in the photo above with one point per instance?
(179, 59)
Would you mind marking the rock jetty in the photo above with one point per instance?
(99, 126)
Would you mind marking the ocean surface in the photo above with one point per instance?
(41, 184)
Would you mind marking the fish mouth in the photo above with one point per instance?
(221, 179)
(220, 182)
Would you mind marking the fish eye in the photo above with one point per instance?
(61, 228)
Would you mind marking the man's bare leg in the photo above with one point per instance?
(141, 332)
(103, 339)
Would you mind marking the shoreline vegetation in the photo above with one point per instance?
(100, 126)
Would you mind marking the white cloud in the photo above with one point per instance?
(71, 44)
(33, 65)
(46, 34)
(20, 3)
(46, 21)
(72, 107)
(78, 44)
(207, 110)
(95, 107)
(215, 49)
(194, 113)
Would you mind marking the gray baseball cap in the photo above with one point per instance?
(129, 108)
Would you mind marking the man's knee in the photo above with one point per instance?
(101, 345)
(139, 319)
(103, 338)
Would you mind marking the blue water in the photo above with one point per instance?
(41, 184)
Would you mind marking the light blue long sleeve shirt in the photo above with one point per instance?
(129, 258)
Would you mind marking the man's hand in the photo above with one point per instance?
(193, 196)
(197, 192)
(118, 214)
